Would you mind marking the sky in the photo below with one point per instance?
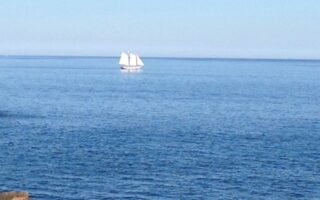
(162, 28)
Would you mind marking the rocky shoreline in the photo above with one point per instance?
(14, 196)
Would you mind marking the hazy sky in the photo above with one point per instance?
(185, 28)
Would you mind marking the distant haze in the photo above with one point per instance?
(174, 28)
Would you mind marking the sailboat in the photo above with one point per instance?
(130, 61)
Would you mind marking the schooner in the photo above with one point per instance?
(130, 61)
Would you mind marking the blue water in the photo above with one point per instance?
(78, 128)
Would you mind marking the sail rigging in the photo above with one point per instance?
(133, 60)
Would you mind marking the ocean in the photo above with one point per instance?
(77, 128)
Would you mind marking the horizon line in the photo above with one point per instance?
(165, 57)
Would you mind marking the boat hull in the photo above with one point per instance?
(131, 68)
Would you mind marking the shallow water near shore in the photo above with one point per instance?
(78, 128)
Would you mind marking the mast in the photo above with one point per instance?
(133, 60)
(137, 59)
(128, 58)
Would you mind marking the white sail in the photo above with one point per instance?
(133, 60)
(139, 61)
(130, 62)
(124, 60)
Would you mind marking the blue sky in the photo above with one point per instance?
(178, 28)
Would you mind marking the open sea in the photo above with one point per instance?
(77, 128)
